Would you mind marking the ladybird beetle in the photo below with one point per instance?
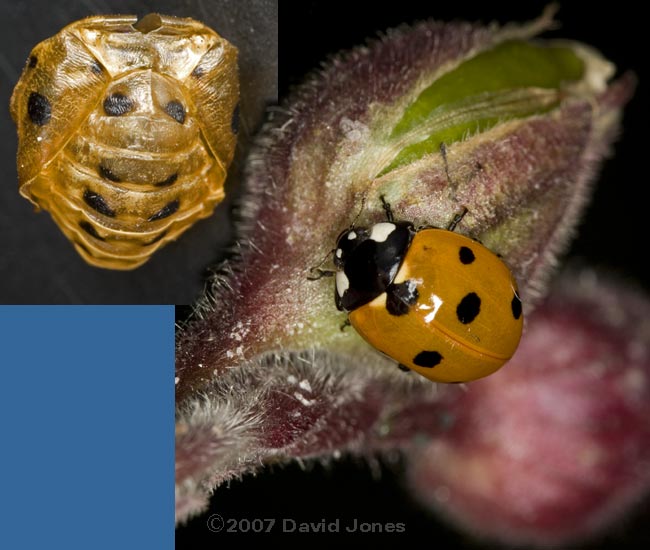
(126, 129)
(437, 302)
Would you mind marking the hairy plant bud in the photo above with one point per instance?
(439, 119)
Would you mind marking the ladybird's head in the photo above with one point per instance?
(367, 261)
(347, 242)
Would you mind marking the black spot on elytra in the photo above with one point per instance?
(165, 211)
(95, 67)
(516, 306)
(156, 239)
(32, 61)
(108, 174)
(234, 123)
(171, 179)
(427, 359)
(39, 109)
(400, 297)
(88, 228)
(469, 308)
(117, 104)
(97, 202)
(466, 255)
(176, 110)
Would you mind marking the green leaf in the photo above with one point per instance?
(514, 79)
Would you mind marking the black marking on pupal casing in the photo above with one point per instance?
(176, 110)
(427, 359)
(165, 211)
(171, 179)
(39, 109)
(370, 266)
(400, 297)
(234, 123)
(97, 202)
(108, 174)
(466, 255)
(156, 238)
(88, 228)
(117, 104)
(32, 61)
(468, 308)
(96, 68)
(516, 306)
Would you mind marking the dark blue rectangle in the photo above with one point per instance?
(87, 408)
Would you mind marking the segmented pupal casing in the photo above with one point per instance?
(126, 129)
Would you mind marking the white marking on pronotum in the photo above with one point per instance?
(342, 283)
(380, 231)
(352, 235)
(339, 252)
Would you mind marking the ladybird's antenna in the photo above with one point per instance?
(363, 205)
(386, 206)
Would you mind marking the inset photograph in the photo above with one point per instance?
(123, 141)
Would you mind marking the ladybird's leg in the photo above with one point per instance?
(403, 368)
(443, 152)
(345, 324)
(401, 297)
(316, 273)
(478, 168)
(459, 215)
(457, 218)
(386, 206)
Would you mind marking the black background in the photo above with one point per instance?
(611, 236)
(37, 263)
